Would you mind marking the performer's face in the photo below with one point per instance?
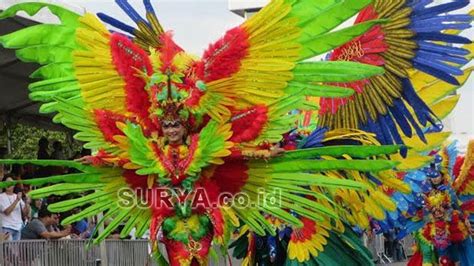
(437, 180)
(174, 131)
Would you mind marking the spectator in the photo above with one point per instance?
(12, 208)
(17, 173)
(28, 171)
(36, 229)
(35, 207)
(80, 227)
(58, 153)
(43, 145)
(43, 154)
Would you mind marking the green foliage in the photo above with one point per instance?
(25, 141)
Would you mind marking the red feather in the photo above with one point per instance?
(222, 59)
(304, 233)
(106, 121)
(468, 206)
(365, 49)
(248, 124)
(127, 58)
(135, 181)
(416, 259)
(168, 51)
(231, 176)
(458, 165)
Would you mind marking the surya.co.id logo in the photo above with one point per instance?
(198, 198)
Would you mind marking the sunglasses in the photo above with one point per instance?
(170, 124)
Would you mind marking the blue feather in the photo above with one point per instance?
(456, 18)
(130, 11)
(440, 27)
(315, 139)
(422, 111)
(427, 56)
(403, 109)
(440, 66)
(435, 10)
(374, 179)
(148, 6)
(375, 128)
(437, 36)
(400, 118)
(437, 48)
(392, 128)
(385, 130)
(418, 5)
(436, 73)
(116, 23)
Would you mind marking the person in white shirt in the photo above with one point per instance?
(12, 207)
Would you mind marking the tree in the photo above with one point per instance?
(24, 140)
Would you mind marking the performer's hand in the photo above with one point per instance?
(276, 151)
(19, 195)
(85, 160)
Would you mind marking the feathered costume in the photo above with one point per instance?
(120, 90)
(444, 234)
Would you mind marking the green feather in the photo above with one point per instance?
(316, 180)
(53, 71)
(65, 16)
(337, 151)
(334, 71)
(88, 212)
(246, 217)
(42, 35)
(64, 189)
(330, 17)
(329, 41)
(132, 222)
(318, 90)
(327, 165)
(65, 163)
(67, 205)
(45, 54)
(282, 214)
(117, 220)
(69, 178)
(139, 149)
(143, 224)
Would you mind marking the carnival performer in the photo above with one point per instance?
(200, 148)
(445, 238)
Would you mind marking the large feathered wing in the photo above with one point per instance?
(87, 75)
(260, 67)
(464, 182)
(413, 38)
(88, 78)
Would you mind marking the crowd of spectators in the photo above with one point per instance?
(24, 218)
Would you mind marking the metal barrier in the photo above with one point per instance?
(376, 245)
(73, 252)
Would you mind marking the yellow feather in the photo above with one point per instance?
(383, 201)
(434, 140)
(445, 107)
(439, 89)
(373, 209)
(413, 161)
